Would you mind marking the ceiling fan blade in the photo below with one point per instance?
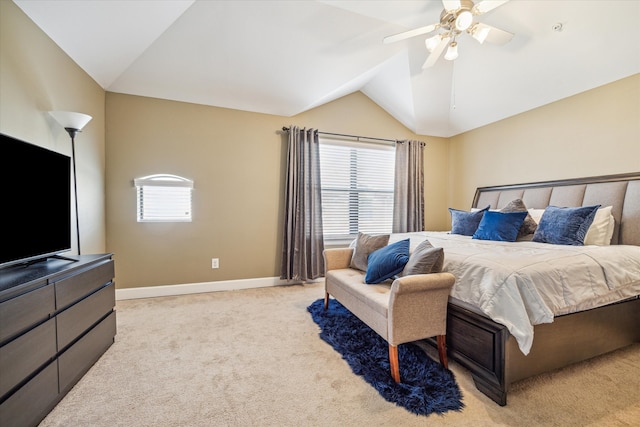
(433, 57)
(410, 33)
(494, 35)
(486, 6)
(450, 5)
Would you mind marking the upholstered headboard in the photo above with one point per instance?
(622, 192)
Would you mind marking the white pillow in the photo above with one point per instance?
(536, 214)
(601, 229)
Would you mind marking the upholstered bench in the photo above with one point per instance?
(407, 309)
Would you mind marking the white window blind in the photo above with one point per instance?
(357, 188)
(163, 198)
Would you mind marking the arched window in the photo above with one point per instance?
(163, 198)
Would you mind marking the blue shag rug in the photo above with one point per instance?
(426, 385)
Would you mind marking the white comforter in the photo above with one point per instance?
(523, 284)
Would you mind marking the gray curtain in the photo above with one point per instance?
(302, 245)
(408, 199)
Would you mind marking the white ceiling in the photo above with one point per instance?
(286, 57)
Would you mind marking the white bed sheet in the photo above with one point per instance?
(522, 284)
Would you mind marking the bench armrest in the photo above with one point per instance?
(421, 283)
(418, 307)
(337, 258)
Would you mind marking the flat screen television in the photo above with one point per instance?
(35, 202)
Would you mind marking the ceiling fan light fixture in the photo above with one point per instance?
(452, 52)
(456, 18)
(463, 20)
(433, 42)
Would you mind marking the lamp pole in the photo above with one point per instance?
(73, 123)
(72, 134)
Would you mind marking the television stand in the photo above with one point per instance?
(46, 258)
(64, 258)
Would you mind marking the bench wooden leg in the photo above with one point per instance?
(395, 366)
(326, 300)
(442, 350)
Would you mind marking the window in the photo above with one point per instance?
(357, 188)
(163, 198)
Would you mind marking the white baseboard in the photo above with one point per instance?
(197, 288)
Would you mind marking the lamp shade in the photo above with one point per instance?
(71, 120)
(433, 42)
(463, 20)
(452, 52)
(480, 33)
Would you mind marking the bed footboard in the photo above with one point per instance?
(492, 355)
(479, 344)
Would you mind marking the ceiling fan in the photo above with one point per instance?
(456, 18)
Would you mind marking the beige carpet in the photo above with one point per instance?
(254, 358)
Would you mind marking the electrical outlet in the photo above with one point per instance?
(215, 263)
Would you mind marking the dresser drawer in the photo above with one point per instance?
(74, 321)
(22, 312)
(26, 354)
(29, 405)
(77, 360)
(74, 288)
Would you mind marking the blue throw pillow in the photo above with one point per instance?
(501, 226)
(386, 262)
(565, 226)
(465, 223)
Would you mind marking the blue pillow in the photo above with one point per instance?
(565, 226)
(386, 262)
(501, 226)
(465, 223)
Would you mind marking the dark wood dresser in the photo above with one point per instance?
(57, 317)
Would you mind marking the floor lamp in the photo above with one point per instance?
(73, 123)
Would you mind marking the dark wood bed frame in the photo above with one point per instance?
(488, 350)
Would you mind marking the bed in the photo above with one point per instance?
(499, 351)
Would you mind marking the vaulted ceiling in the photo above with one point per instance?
(286, 57)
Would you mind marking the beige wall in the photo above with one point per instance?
(237, 161)
(593, 133)
(36, 76)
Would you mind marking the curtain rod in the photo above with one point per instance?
(358, 137)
